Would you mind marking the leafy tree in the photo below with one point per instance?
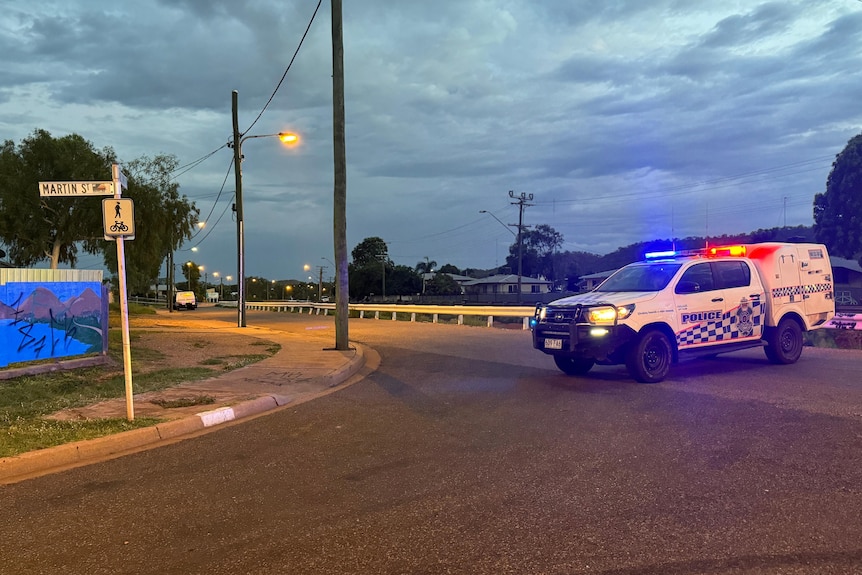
(371, 251)
(192, 273)
(838, 210)
(450, 269)
(403, 280)
(442, 284)
(36, 229)
(538, 247)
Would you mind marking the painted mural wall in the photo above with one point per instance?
(51, 319)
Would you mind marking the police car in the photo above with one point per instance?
(700, 302)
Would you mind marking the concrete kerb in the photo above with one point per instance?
(43, 461)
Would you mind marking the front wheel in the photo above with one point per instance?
(784, 343)
(650, 356)
(574, 365)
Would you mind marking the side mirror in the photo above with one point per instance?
(687, 287)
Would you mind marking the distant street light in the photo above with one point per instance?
(518, 237)
(236, 144)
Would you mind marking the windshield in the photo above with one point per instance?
(640, 277)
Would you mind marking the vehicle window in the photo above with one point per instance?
(732, 274)
(640, 277)
(697, 278)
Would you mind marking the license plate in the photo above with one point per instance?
(553, 344)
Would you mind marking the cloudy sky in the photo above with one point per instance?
(627, 120)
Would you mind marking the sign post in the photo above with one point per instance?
(118, 218)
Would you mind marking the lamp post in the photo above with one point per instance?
(220, 285)
(236, 144)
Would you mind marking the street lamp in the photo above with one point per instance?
(236, 144)
(518, 237)
(220, 285)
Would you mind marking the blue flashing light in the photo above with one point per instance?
(664, 254)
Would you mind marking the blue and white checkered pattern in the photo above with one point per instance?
(800, 290)
(724, 329)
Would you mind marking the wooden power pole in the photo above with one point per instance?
(339, 219)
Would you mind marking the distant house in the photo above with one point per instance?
(848, 281)
(459, 279)
(505, 284)
(590, 282)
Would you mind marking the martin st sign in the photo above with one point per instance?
(76, 189)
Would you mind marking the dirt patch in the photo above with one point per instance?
(153, 349)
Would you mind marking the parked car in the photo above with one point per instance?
(185, 300)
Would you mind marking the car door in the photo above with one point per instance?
(700, 308)
(743, 299)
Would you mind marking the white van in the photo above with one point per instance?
(185, 300)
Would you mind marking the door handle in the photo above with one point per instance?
(717, 299)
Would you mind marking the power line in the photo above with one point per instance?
(283, 76)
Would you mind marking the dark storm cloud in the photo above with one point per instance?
(450, 104)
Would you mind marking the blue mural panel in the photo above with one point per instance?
(49, 320)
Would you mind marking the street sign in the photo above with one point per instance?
(118, 217)
(76, 189)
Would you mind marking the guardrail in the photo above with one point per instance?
(400, 310)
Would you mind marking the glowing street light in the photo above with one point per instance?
(288, 138)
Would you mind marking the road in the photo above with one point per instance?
(468, 452)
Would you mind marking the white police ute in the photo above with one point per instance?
(699, 302)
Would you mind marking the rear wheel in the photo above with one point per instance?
(784, 343)
(650, 356)
(574, 365)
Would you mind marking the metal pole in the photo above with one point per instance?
(240, 231)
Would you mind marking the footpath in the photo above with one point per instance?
(306, 367)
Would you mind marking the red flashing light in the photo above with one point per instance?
(733, 251)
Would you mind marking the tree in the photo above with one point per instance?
(838, 210)
(192, 273)
(538, 248)
(442, 284)
(426, 267)
(449, 269)
(36, 229)
(370, 251)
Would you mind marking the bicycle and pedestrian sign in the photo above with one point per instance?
(118, 217)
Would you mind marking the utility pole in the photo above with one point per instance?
(521, 201)
(320, 282)
(339, 216)
(240, 230)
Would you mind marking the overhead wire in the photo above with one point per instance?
(283, 76)
(186, 168)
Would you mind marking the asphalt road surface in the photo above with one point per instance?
(467, 452)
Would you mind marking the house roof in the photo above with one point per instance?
(458, 278)
(851, 265)
(598, 275)
(505, 279)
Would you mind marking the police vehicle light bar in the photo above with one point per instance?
(718, 251)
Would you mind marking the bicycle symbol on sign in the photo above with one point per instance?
(119, 227)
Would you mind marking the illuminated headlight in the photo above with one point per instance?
(541, 312)
(599, 331)
(607, 315)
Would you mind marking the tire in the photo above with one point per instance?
(784, 343)
(574, 365)
(650, 356)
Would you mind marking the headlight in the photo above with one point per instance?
(608, 314)
(541, 312)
